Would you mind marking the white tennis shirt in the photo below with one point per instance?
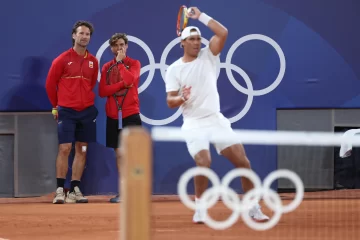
(201, 75)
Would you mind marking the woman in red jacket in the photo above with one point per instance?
(122, 104)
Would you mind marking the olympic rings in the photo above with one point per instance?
(250, 199)
(278, 51)
(249, 91)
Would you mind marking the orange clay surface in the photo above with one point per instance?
(320, 216)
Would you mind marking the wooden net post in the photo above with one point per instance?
(136, 184)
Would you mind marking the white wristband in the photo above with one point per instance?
(204, 18)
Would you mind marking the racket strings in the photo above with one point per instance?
(116, 77)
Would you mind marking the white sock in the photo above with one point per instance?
(198, 203)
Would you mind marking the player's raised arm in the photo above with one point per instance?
(217, 42)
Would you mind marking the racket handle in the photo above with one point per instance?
(191, 11)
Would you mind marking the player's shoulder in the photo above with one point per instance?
(206, 53)
(175, 65)
(62, 57)
(204, 50)
(132, 61)
(173, 70)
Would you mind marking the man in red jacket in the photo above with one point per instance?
(69, 85)
(128, 79)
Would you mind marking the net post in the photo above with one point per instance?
(135, 184)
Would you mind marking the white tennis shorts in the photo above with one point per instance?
(197, 133)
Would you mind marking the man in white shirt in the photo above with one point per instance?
(191, 83)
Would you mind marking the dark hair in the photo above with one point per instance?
(79, 24)
(116, 37)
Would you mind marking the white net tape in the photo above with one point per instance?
(260, 190)
(265, 137)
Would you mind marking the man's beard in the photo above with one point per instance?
(84, 45)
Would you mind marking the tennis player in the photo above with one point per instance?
(130, 76)
(191, 83)
(69, 85)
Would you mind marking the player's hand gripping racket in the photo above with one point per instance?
(182, 19)
(113, 76)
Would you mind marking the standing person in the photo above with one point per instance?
(128, 70)
(191, 83)
(69, 85)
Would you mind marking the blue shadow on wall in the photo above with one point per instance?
(29, 94)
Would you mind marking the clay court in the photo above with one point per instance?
(322, 215)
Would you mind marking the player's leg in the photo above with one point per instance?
(75, 195)
(112, 141)
(198, 147)
(234, 151)
(202, 159)
(84, 134)
(78, 163)
(66, 135)
(132, 120)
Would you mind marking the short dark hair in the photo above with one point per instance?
(114, 38)
(79, 24)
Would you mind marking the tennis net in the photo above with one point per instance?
(314, 156)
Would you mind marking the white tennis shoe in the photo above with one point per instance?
(199, 217)
(256, 214)
(76, 196)
(200, 212)
(59, 196)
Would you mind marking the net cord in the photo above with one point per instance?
(265, 137)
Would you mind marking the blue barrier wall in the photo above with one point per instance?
(319, 42)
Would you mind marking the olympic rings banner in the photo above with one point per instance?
(249, 91)
(277, 55)
(230, 198)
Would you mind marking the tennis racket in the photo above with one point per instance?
(182, 19)
(113, 76)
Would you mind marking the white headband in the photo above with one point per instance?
(194, 33)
